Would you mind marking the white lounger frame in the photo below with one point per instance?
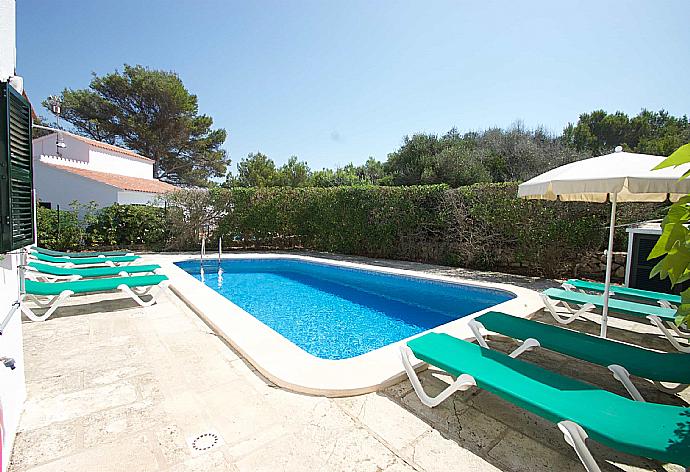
(55, 301)
(573, 433)
(566, 314)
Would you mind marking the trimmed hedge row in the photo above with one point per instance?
(482, 226)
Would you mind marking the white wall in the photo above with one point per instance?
(127, 197)
(61, 187)
(77, 152)
(74, 150)
(104, 161)
(12, 387)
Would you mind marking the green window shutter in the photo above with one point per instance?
(16, 171)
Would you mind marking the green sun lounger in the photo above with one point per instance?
(69, 261)
(50, 273)
(50, 252)
(644, 429)
(557, 302)
(635, 294)
(57, 292)
(622, 359)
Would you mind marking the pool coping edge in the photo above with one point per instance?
(292, 368)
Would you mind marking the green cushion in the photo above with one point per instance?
(661, 366)
(89, 286)
(646, 429)
(82, 260)
(619, 290)
(88, 272)
(50, 252)
(620, 306)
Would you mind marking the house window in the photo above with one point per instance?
(16, 171)
(46, 205)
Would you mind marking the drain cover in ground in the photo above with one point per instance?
(204, 441)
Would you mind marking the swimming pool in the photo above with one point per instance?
(335, 312)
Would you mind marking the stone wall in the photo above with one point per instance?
(593, 266)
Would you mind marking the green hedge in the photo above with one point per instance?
(483, 226)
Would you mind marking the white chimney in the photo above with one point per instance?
(8, 40)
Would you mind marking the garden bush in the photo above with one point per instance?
(59, 230)
(483, 226)
(113, 226)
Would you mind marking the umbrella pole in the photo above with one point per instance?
(609, 264)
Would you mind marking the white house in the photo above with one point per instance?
(87, 170)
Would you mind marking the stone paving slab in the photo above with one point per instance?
(117, 387)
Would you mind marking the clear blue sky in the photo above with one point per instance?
(338, 81)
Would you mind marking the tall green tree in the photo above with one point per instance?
(293, 173)
(372, 172)
(256, 170)
(347, 175)
(649, 132)
(152, 113)
(499, 155)
(406, 165)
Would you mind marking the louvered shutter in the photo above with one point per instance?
(16, 171)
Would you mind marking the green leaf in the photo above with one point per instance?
(683, 312)
(673, 228)
(679, 157)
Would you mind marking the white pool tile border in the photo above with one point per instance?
(289, 366)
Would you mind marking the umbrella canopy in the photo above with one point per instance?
(617, 177)
(626, 175)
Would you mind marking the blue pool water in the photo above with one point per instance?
(336, 312)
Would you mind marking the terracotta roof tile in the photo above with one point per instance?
(123, 182)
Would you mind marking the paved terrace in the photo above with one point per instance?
(116, 387)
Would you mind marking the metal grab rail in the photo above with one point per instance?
(202, 253)
(13, 309)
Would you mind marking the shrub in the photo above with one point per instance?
(127, 225)
(58, 230)
(483, 226)
(116, 225)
